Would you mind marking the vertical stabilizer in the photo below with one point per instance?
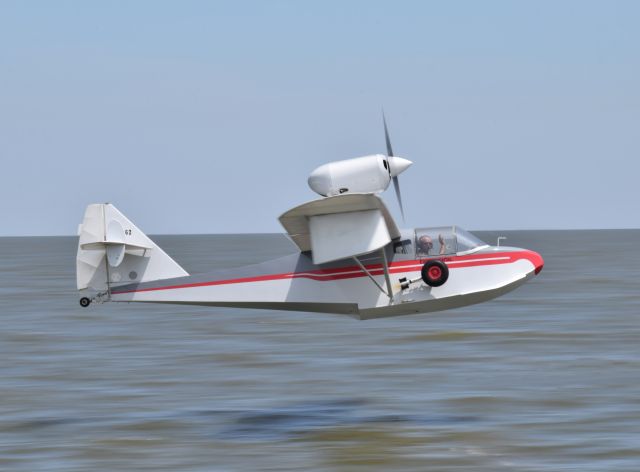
(112, 251)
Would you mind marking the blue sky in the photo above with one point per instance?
(207, 117)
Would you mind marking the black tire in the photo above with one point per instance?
(435, 273)
(85, 302)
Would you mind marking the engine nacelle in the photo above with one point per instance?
(368, 174)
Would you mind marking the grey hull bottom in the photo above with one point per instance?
(350, 309)
(441, 304)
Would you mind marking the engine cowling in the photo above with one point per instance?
(368, 174)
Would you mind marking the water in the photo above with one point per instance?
(545, 378)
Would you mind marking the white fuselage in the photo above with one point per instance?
(295, 283)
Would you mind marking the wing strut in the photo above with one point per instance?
(385, 267)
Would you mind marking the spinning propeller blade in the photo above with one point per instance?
(398, 163)
(396, 186)
(386, 137)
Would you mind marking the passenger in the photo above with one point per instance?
(425, 244)
(443, 246)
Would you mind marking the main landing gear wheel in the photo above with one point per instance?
(435, 273)
(85, 302)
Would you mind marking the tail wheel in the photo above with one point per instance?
(85, 302)
(435, 273)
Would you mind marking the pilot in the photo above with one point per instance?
(443, 246)
(425, 244)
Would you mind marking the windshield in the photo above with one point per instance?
(467, 241)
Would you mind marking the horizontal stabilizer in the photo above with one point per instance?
(103, 244)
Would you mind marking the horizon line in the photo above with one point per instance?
(284, 234)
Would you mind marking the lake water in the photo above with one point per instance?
(546, 378)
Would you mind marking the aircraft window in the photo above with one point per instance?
(467, 241)
(435, 242)
(402, 247)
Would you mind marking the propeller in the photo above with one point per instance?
(397, 163)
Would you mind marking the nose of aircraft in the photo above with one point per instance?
(537, 261)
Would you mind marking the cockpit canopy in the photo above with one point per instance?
(439, 241)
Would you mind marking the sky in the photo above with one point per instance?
(207, 117)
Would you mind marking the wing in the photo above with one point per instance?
(341, 226)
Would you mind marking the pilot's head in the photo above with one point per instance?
(425, 244)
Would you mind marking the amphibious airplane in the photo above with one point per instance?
(352, 260)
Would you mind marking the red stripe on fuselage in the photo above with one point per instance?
(340, 273)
